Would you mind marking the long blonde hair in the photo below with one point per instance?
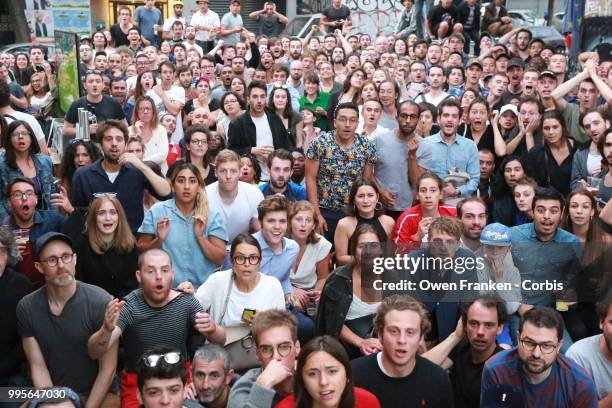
(123, 239)
(201, 203)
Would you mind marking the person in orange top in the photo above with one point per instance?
(324, 378)
(413, 224)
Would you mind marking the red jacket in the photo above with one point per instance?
(363, 399)
(408, 223)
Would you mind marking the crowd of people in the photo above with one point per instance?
(211, 244)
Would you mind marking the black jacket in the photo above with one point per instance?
(242, 134)
(335, 301)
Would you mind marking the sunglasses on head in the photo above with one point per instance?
(152, 360)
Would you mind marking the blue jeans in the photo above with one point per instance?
(305, 325)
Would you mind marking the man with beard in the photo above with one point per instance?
(446, 147)
(388, 93)
(190, 42)
(587, 159)
(594, 353)
(296, 72)
(118, 90)
(295, 49)
(55, 322)
(338, 60)
(280, 163)
(396, 161)
(497, 88)
(104, 107)
(520, 47)
(118, 173)
(397, 375)
(299, 158)
(212, 378)
(590, 87)
(238, 65)
(169, 22)
(151, 315)
(537, 368)
(259, 131)
(468, 348)
(226, 75)
(22, 200)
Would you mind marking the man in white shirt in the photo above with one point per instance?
(436, 94)
(236, 200)
(190, 42)
(169, 98)
(207, 25)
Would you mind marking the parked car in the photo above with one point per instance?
(550, 36)
(299, 26)
(25, 47)
(527, 16)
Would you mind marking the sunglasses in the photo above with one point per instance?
(152, 360)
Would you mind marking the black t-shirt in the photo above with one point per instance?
(107, 108)
(427, 385)
(336, 14)
(439, 14)
(119, 36)
(213, 105)
(465, 375)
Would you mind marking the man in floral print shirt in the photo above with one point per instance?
(333, 162)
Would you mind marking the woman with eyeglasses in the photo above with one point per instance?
(280, 103)
(22, 158)
(350, 92)
(106, 252)
(232, 106)
(364, 207)
(187, 228)
(227, 294)
(342, 311)
(197, 141)
(324, 378)
(77, 154)
(145, 124)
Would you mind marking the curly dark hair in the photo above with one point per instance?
(67, 167)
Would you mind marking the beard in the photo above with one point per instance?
(532, 369)
(279, 184)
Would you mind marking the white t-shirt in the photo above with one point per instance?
(210, 19)
(593, 163)
(268, 294)
(31, 120)
(175, 94)
(306, 275)
(429, 98)
(112, 176)
(264, 138)
(236, 216)
(193, 46)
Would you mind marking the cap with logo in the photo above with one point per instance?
(509, 107)
(495, 234)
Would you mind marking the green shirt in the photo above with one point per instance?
(321, 100)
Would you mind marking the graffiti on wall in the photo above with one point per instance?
(373, 16)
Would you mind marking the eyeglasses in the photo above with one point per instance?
(93, 71)
(21, 133)
(22, 195)
(229, 101)
(199, 142)
(152, 360)
(110, 194)
(280, 86)
(54, 260)
(283, 349)
(546, 348)
(241, 259)
(407, 116)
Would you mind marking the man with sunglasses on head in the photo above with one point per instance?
(536, 367)
(161, 378)
(151, 315)
(275, 336)
(56, 321)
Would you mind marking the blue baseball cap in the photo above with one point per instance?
(495, 234)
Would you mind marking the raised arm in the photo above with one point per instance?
(440, 352)
(104, 339)
(563, 89)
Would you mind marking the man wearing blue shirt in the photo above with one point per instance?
(280, 163)
(451, 154)
(546, 255)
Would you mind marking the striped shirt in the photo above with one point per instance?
(568, 385)
(145, 327)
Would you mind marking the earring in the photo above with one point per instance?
(379, 206)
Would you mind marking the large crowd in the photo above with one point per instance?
(212, 243)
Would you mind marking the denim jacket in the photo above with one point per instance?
(44, 172)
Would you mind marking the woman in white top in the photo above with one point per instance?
(226, 295)
(38, 93)
(153, 134)
(232, 105)
(311, 266)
